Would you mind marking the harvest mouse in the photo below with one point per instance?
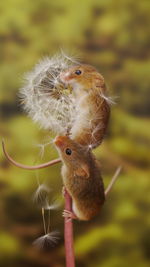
(81, 178)
(93, 109)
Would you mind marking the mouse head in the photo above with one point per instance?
(82, 76)
(73, 155)
(68, 149)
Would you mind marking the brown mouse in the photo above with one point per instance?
(93, 109)
(81, 178)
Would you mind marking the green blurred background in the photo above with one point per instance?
(114, 36)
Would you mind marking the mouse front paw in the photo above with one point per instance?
(69, 215)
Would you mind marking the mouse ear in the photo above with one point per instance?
(83, 171)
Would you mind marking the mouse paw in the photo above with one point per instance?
(69, 215)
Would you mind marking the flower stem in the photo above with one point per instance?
(68, 234)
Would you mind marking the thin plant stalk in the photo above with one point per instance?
(68, 234)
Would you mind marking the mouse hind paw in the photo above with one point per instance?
(69, 215)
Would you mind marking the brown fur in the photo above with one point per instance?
(89, 88)
(87, 189)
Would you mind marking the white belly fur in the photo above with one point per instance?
(79, 215)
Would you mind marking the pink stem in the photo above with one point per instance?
(68, 233)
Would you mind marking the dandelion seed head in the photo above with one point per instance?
(45, 98)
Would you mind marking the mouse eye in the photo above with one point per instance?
(68, 151)
(78, 72)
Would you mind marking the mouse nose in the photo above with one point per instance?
(64, 76)
(60, 141)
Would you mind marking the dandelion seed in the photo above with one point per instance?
(40, 196)
(110, 99)
(72, 59)
(49, 239)
(42, 148)
(53, 206)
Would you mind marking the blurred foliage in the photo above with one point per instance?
(114, 36)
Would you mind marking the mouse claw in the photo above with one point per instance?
(69, 215)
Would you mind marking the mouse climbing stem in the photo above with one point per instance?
(68, 224)
(68, 233)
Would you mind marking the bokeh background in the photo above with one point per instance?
(114, 36)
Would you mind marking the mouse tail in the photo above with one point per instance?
(22, 166)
